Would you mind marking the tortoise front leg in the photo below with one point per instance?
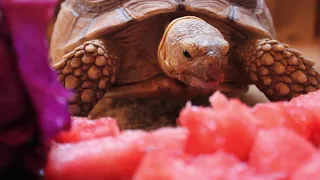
(279, 71)
(89, 71)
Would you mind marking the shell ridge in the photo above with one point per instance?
(231, 14)
(124, 12)
(93, 21)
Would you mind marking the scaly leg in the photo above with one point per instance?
(279, 71)
(89, 71)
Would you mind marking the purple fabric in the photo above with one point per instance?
(32, 102)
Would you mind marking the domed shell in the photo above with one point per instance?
(82, 20)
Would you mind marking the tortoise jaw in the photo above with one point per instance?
(192, 79)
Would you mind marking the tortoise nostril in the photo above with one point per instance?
(210, 65)
(210, 79)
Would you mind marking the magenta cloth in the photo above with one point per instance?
(33, 105)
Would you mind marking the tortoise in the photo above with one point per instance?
(173, 49)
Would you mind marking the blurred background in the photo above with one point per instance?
(296, 20)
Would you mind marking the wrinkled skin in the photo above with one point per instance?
(193, 55)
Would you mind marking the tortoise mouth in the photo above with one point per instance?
(196, 81)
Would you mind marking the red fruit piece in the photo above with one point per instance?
(84, 129)
(268, 115)
(218, 101)
(109, 157)
(175, 165)
(315, 135)
(229, 129)
(282, 114)
(280, 150)
(299, 119)
(310, 102)
(169, 138)
(310, 170)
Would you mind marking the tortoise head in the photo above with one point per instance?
(194, 52)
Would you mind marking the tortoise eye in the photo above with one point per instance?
(187, 54)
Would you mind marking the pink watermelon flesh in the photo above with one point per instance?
(210, 130)
(280, 150)
(310, 170)
(109, 157)
(218, 101)
(282, 114)
(211, 143)
(300, 120)
(84, 129)
(175, 165)
(269, 115)
(310, 102)
(315, 136)
(275, 114)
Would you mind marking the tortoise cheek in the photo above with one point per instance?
(181, 69)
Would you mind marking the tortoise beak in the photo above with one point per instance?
(209, 67)
(207, 71)
(200, 83)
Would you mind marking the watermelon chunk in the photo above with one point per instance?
(310, 170)
(173, 165)
(280, 150)
(109, 157)
(269, 115)
(226, 141)
(300, 120)
(229, 129)
(275, 114)
(310, 102)
(282, 114)
(315, 135)
(218, 101)
(84, 129)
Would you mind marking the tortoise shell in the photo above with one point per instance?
(82, 20)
